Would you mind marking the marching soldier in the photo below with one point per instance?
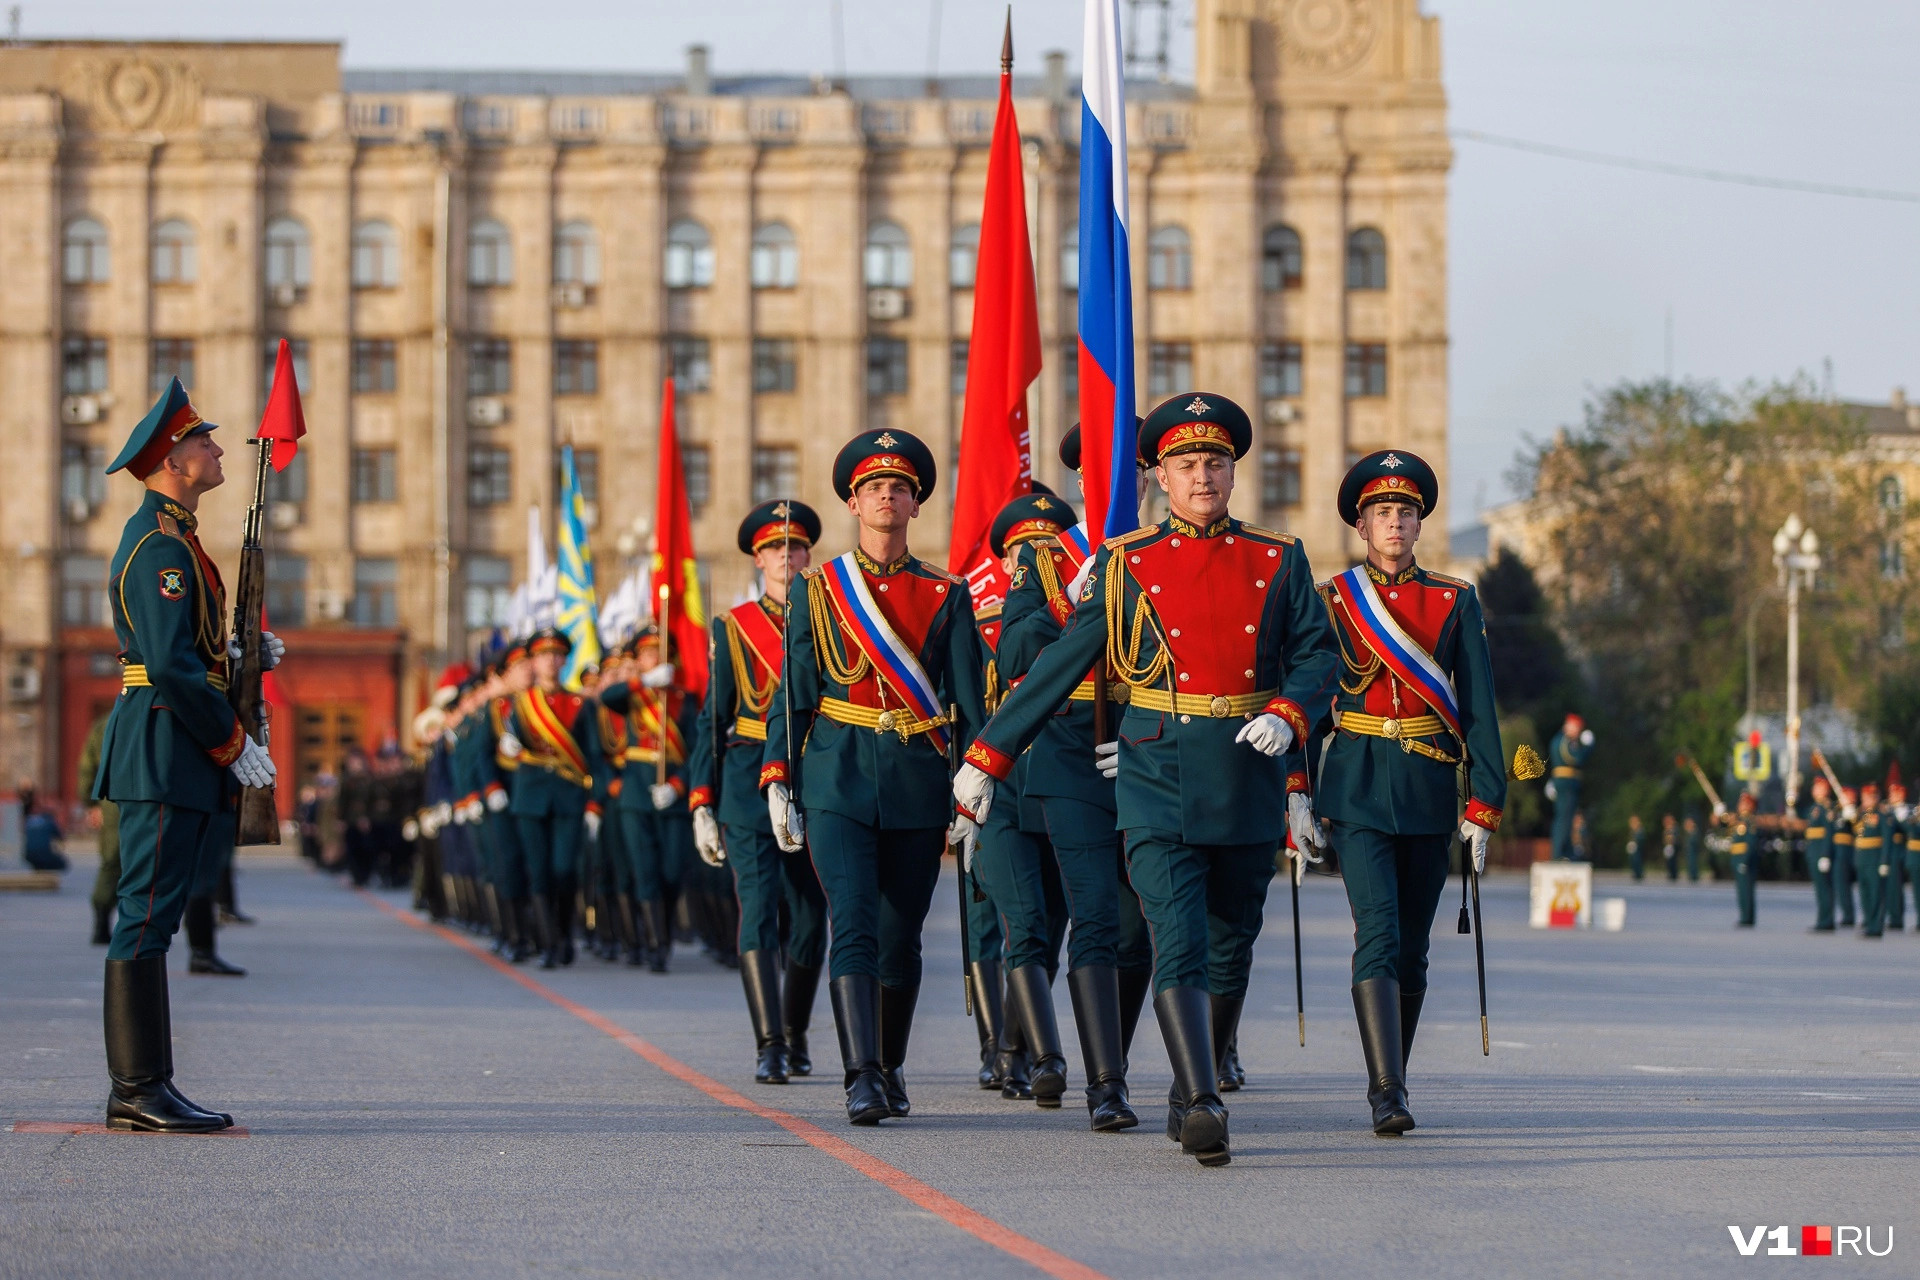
(174, 753)
(1910, 847)
(1415, 705)
(1872, 840)
(1845, 873)
(881, 651)
(1690, 833)
(616, 739)
(652, 803)
(1743, 851)
(730, 822)
(1213, 626)
(549, 734)
(1567, 760)
(1636, 848)
(1670, 846)
(1820, 820)
(1897, 814)
(1110, 960)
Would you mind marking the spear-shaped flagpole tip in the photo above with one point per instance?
(1006, 46)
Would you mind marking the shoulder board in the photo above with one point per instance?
(813, 572)
(1254, 530)
(168, 525)
(1131, 536)
(1452, 582)
(1325, 589)
(988, 615)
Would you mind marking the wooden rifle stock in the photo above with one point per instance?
(259, 818)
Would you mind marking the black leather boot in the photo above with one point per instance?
(1010, 1063)
(166, 1038)
(1185, 1024)
(856, 1016)
(659, 924)
(135, 1020)
(103, 925)
(1226, 1040)
(1376, 1003)
(796, 1014)
(563, 902)
(896, 1025)
(988, 1018)
(519, 923)
(760, 975)
(630, 932)
(1134, 986)
(201, 955)
(540, 916)
(1027, 989)
(1410, 1002)
(1096, 1014)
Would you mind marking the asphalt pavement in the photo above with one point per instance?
(412, 1109)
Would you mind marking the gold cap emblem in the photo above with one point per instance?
(1199, 405)
(782, 510)
(886, 440)
(1041, 504)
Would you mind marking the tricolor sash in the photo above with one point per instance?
(549, 742)
(896, 664)
(1412, 665)
(1079, 549)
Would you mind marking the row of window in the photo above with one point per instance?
(576, 366)
(773, 261)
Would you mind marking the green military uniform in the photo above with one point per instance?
(1845, 874)
(658, 840)
(1566, 763)
(1896, 863)
(877, 655)
(165, 757)
(728, 746)
(1211, 629)
(1872, 847)
(1821, 819)
(1743, 852)
(106, 882)
(1636, 850)
(1691, 839)
(1910, 857)
(1414, 712)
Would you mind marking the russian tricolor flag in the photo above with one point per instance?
(1108, 439)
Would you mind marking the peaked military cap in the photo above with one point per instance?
(1388, 475)
(550, 640)
(1070, 444)
(884, 453)
(1029, 516)
(171, 420)
(1195, 420)
(780, 520)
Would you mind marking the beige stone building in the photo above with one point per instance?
(475, 268)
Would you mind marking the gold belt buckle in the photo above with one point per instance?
(1390, 728)
(1218, 706)
(884, 723)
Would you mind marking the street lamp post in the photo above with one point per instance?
(1796, 555)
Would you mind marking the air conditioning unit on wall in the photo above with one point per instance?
(284, 295)
(1281, 412)
(886, 304)
(79, 411)
(570, 297)
(486, 411)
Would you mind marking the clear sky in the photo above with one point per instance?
(1564, 274)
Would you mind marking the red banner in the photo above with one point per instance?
(283, 422)
(677, 605)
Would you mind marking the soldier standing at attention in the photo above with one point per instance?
(1567, 761)
(1872, 832)
(880, 646)
(1636, 848)
(1690, 834)
(550, 735)
(1910, 849)
(1110, 957)
(1743, 851)
(730, 821)
(652, 803)
(1819, 837)
(174, 754)
(1213, 626)
(1897, 814)
(1670, 846)
(1845, 873)
(1415, 705)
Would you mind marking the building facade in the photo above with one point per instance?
(475, 269)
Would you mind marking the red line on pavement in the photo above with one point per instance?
(89, 1129)
(935, 1201)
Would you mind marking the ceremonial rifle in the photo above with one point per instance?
(1833, 779)
(1719, 807)
(259, 818)
(959, 853)
(1294, 873)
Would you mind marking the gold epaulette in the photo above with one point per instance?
(988, 615)
(1131, 536)
(813, 572)
(168, 525)
(1284, 539)
(1452, 582)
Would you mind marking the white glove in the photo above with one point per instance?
(1826, 865)
(663, 795)
(1586, 737)
(510, 746)
(1266, 733)
(973, 789)
(272, 649)
(591, 821)
(474, 810)
(1106, 758)
(496, 802)
(1549, 791)
(410, 831)
(1305, 832)
(1719, 810)
(706, 837)
(659, 677)
(442, 815)
(789, 824)
(1476, 837)
(1848, 813)
(254, 768)
(964, 832)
